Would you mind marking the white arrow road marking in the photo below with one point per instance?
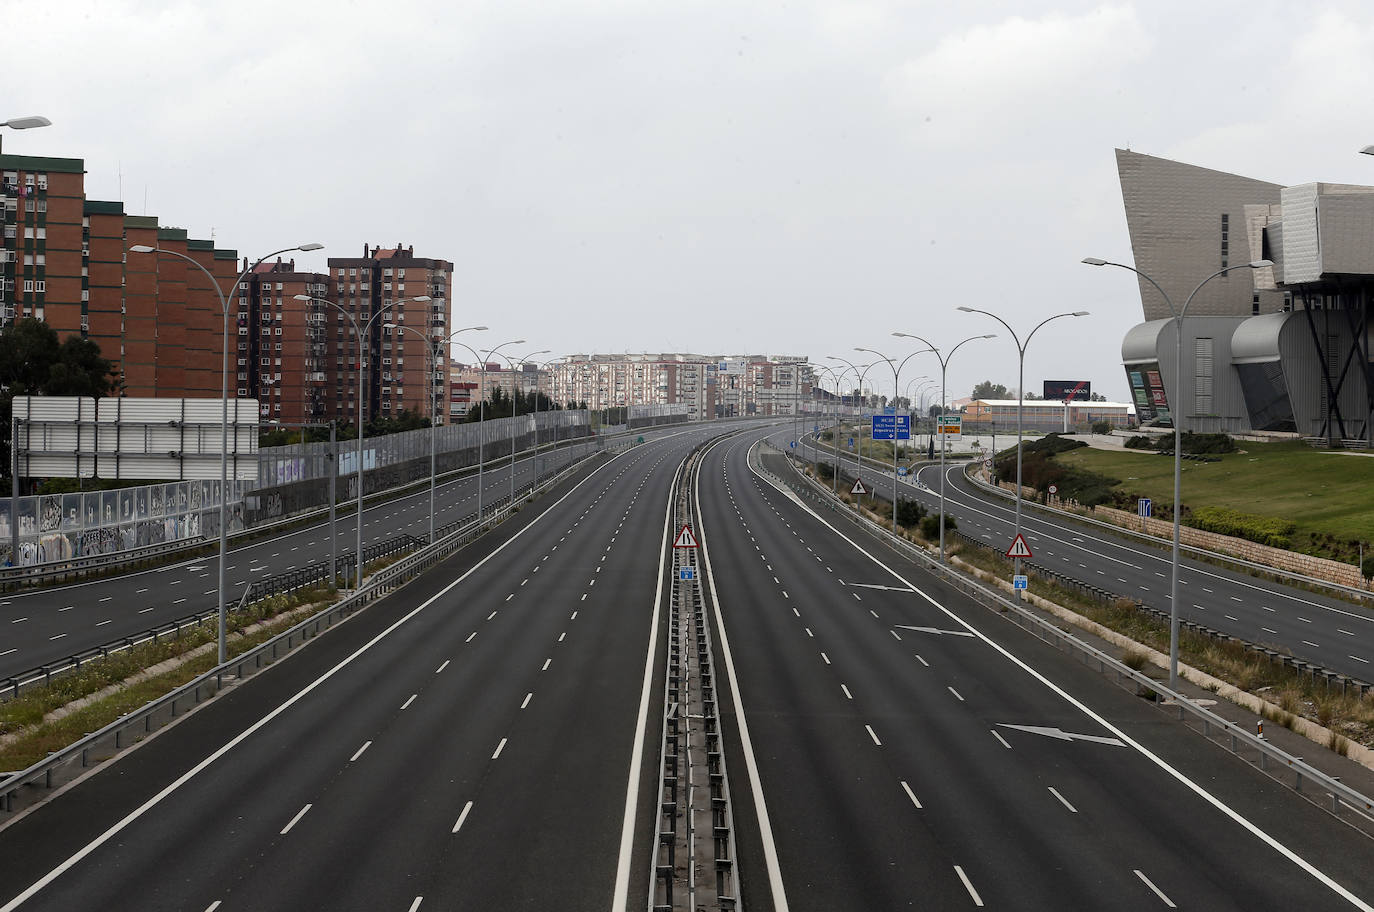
(1060, 734)
(937, 631)
(877, 586)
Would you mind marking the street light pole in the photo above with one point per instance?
(1021, 391)
(944, 367)
(1176, 416)
(896, 373)
(432, 352)
(224, 407)
(512, 362)
(481, 409)
(362, 334)
(835, 434)
(860, 371)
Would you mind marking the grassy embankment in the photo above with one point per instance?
(1329, 495)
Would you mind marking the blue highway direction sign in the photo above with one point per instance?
(885, 425)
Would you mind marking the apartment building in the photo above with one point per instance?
(379, 290)
(708, 385)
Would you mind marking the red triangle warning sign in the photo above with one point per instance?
(1019, 548)
(858, 487)
(685, 538)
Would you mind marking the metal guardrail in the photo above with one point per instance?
(67, 763)
(1361, 594)
(278, 584)
(1211, 725)
(1332, 679)
(695, 859)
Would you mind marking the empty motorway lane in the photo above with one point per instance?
(465, 744)
(913, 750)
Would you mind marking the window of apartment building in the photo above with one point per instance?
(42, 182)
(341, 272)
(1254, 303)
(42, 205)
(28, 285)
(278, 346)
(279, 330)
(12, 204)
(10, 231)
(1225, 239)
(28, 180)
(30, 205)
(40, 286)
(1287, 301)
(265, 361)
(243, 286)
(242, 392)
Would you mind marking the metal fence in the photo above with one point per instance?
(59, 528)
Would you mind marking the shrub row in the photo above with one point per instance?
(1266, 530)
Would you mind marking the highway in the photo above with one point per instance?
(901, 750)
(45, 625)
(1317, 628)
(465, 744)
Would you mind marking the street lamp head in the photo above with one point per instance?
(299, 297)
(1260, 264)
(141, 248)
(311, 246)
(422, 298)
(988, 336)
(26, 123)
(1079, 313)
(1094, 261)
(1367, 150)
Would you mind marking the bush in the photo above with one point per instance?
(1266, 530)
(1367, 568)
(930, 525)
(910, 513)
(1141, 442)
(1102, 427)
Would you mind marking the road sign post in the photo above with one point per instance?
(891, 427)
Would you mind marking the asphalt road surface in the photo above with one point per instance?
(899, 736)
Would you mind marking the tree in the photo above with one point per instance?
(34, 363)
(1097, 397)
(989, 390)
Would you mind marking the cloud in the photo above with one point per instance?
(1017, 72)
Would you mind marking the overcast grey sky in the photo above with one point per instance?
(787, 178)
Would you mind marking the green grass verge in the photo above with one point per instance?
(1329, 495)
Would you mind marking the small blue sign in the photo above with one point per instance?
(901, 470)
(1143, 506)
(890, 427)
(1019, 581)
(686, 573)
(793, 444)
(851, 443)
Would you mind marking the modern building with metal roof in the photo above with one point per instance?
(1280, 348)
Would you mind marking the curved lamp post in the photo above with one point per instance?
(896, 385)
(1021, 390)
(223, 392)
(1176, 416)
(944, 369)
(361, 333)
(432, 353)
(860, 371)
(835, 435)
(481, 408)
(512, 362)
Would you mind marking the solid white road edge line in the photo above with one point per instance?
(242, 736)
(1073, 701)
(770, 849)
(620, 896)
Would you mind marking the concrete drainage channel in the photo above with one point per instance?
(695, 865)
